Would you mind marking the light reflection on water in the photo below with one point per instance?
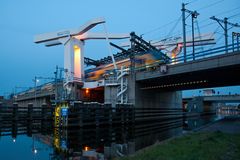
(91, 143)
(23, 147)
(36, 141)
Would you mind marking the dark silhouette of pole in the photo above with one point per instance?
(184, 32)
(194, 15)
(225, 28)
(226, 33)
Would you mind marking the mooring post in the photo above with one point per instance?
(15, 111)
(30, 112)
(43, 111)
(43, 115)
(1, 114)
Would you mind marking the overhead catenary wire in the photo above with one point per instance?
(235, 15)
(160, 27)
(178, 33)
(227, 11)
(174, 27)
(210, 5)
(191, 2)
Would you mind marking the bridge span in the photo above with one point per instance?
(214, 71)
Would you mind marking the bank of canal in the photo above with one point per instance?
(220, 140)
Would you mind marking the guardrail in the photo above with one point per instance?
(207, 53)
(198, 55)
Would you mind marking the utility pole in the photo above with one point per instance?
(194, 15)
(35, 88)
(184, 32)
(225, 28)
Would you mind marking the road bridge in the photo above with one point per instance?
(223, 98)
(208, 103)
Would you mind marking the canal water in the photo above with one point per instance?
(41, 141)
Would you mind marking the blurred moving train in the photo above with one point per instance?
(140, 61)
(173, 48)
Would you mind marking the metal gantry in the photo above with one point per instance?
(138, 47)
(225, 28)
(194, 15)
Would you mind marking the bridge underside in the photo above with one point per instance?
(194, 75)
(213, 77)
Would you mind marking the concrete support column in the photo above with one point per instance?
(110, 95)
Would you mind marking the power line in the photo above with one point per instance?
(202, 26)
(174, 27)
(160, 27)
(210, 5)
(234, 15)
(224, 24)
(191, 2)
(228, 11)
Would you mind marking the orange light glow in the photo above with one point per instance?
(86, 148)
(87, 90)
(77, 65)
(174, 56)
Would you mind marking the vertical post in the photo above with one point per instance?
(56, 85)
(193, 45)
(44, 113)
(15, 111)
(226, 34)
(238, 41)
(184, 32)
(35, 93)
(233, 36)
(132, 56)
(30, 112)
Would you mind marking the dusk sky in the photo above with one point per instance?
(20, 21)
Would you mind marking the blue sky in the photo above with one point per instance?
(21, 59)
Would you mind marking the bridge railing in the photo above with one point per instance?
(207, 53)
(198, 55)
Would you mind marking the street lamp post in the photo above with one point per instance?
(35, 88)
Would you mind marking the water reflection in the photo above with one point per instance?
(35, 137)
(40, 140)
(196, 122)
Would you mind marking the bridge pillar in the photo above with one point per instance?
(156, 98)
(110, 95)
(74, 60)
(152, 98)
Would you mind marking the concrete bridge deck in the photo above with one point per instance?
(214, 71)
